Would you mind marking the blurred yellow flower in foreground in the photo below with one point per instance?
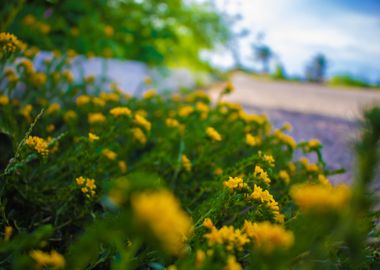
(268, 237)
(45, 259)
(161, 212)
(4, 100)
(186, 163)
(320, 198)
(96, 118)
(139, 135)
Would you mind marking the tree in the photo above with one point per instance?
(262, 53)
(316, 70)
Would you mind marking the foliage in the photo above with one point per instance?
(348, 80)
(95, 179)
(153, 31)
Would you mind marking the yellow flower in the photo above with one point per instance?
(70, 115)
(80, 180)
(261, 174)
(54, 107)
(96, 118)
(218, 171)
(122, 166)
(38, 78)
(232, 264)
(108, 31)
(139, 135)
(38, 144)
(4, 100)
(313, 144)
(234, 183)
(9, 44)
(111, 155)
(150, 93)
(264, 196)
(87, 186)
(92, 137)
(324, 180)
(99, 101)
(161, 212)
(269, 159)
(109, 96)
(118, 111)
(29, 20)
(82, 100)
(213, 134)
(252, 140)
(45, 259)
(287, 126)
(171, 122)
(26, 111)
(284, 138)
(207, 222)
(229, 88)
(185, 111)
(186, 163)
(147, 80)
(200, 257)
(228, 236)
(284, 176)
(68, 75)
(8, 232)
(50, 128)
(320, 198)
(268, 237)
(141, 121)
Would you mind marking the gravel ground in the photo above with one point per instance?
(337, 135)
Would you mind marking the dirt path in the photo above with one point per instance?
(330, 115)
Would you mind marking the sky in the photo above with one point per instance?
(347, 32)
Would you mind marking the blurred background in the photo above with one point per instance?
(313, 63)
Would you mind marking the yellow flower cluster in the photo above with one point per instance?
(96, 118)
(310, 167)
(261, 174)
(38, 79)
(87, 186)
(264, 196)
(109, 96)
(9, 44)
(284, 138)
(284, 176)
(213, 134)
(82, 100)
(150, 93)
(4, 100)
(141, 121)
(44, 259)
(118, 111)
(38, 144)
(186, 163)
(229, 88)
(232, 264)
(185, 111)
(269, 159)
(313, 144)
(139, 135)
(26, 112)
(69, 115)
(122, 166)
(54, 107)
(235, 183)
(252, 140)
(171, 122)
(227, 235)
(111, 155)
(161, 212)
(92, 137)
(320, 198)
(267, 237)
